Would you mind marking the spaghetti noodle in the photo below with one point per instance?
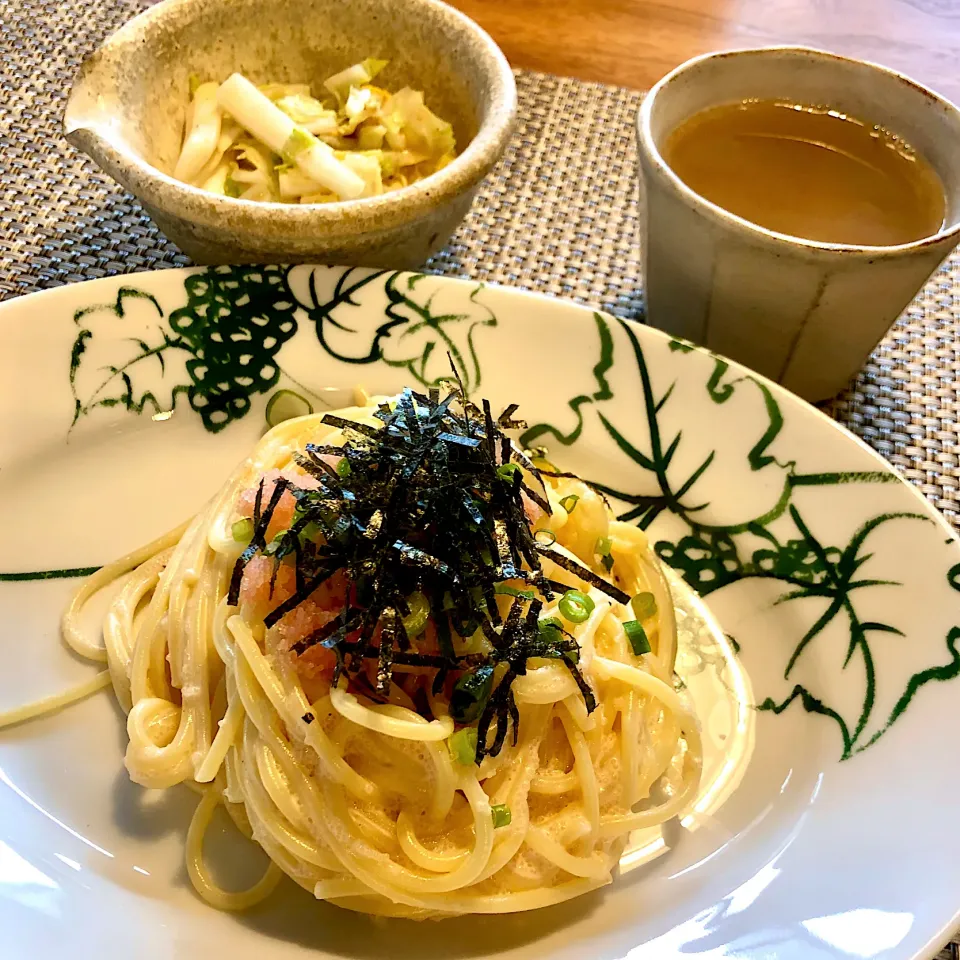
(426, 672)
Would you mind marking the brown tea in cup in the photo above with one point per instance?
(808, 172)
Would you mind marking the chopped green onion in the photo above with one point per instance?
(277, 546)
(572, 655)
(507, 471)
(231, 188)
(471, 693)
(463, 745)
(242, 530)
(568, 503)
(550, 538)
(576, 606)
(310, 532)
(602, 549)
(644, 605)
(501, 815)
(285, 405)
(343, 467)
(505, 589)
(549, 629)
(637, 637)
(416, 620)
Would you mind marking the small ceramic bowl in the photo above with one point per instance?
(127, 106)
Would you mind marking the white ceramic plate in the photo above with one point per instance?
(827, 827)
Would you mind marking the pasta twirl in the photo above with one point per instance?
(427, 673)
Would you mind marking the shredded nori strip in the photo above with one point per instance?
(585, 574)
(298, 597)
(261, 521)
(330, 635)
(564, 475)
(536, 498)
(421, 505)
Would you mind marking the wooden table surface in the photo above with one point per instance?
(634, 42)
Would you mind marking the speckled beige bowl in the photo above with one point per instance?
(127, 107)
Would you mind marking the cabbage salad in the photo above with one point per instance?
(277, 142)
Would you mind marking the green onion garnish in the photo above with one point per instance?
(285, 405)
(501, 815)
(569, 502)
(242, 530)
(576, 606)
(637, 637)
(644, 605)
(463, 745)
(343, 467)
(471, 693)
(602, 549)
(276, 544)
(505, 589)
(507, 471)
(549, 628)
(549, 538)
(416, 619)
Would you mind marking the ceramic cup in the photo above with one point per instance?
(804, 313)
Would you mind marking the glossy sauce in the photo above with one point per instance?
(808, 172)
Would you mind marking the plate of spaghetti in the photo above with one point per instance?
(347, 610)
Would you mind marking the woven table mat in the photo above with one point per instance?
(559, 216)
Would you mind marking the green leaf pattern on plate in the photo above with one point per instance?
(226, 339)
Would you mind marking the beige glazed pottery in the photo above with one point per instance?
(127, 109)
(804, 313)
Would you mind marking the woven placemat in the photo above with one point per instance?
(558, 216)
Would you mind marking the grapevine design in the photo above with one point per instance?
(236, 320)
(233, 350)
(710, 557)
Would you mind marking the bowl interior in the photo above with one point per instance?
(429, 47)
